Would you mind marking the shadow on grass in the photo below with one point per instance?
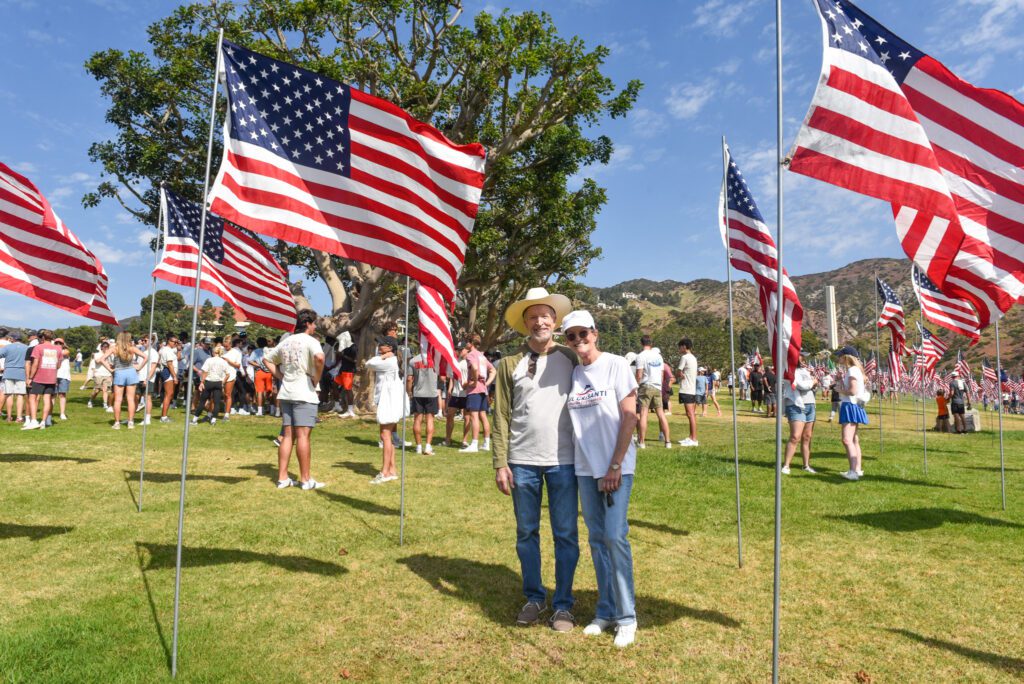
(990, 469)
(1012, 665)
(826, 475)
(496, 589)
(152, 607)
(658, 527)
(162, 557)
(165, 478)
(267, 470)
(358, 504)
(919, 519)
(366, 441)
(367, 469)
(38, 458)
(33, 532)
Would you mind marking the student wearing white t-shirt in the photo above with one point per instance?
(602, 407)
(233, 357)
(649, 365)
(457, 399)
(851, 409)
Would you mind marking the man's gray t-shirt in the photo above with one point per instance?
(14, 361)
(688, 374)
(424, 379)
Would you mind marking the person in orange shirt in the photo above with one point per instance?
(941, 420)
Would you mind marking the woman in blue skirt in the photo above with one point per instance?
(851, 409)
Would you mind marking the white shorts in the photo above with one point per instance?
(14, 386)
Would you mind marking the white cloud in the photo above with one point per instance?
(685, 100)
(723, 17)
(43, 37)
(728, 68)
(125, 219)
(113, 255)
(25, 167)
(144, 237)
(976, 69)
(647, 123)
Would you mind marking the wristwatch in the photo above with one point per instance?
(615, 466)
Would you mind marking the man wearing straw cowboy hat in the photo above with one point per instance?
(533, 447)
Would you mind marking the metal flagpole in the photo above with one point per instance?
(878, 371)
(405, 367)
(192, 359)
(780, 356)
(149, 353)
(732, 356)
(924, 411)
(999, 399)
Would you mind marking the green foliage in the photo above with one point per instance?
(82, 338)
(207, 315)
(108, 331)
(228, 318)
(171, 315)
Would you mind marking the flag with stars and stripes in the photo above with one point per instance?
(932, 348)
(962, 367)
(435, 333)
(236, 267)
(752, 250)
(891, 122)
(318, 163)
(895, 366)
(951, 313)
(870, 367)
(892, 316)
(988, 373)
(40, 258)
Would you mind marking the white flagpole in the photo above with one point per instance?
(924, 410)
(878, 370)
(732, 354)
(149, 347)
(999, 400)
(192, 358)
(405, 369)
(780, 356)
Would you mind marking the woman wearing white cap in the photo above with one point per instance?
(851, 409)
(602, 406)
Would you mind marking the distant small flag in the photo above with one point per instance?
(892, 315)
(931, 346)
(988, 373)
(950, 312)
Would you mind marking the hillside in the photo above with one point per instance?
(660, 302)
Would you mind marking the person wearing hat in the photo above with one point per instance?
(851, 409)
(602, 407)
(649, 363)
(392, 403)
(14, 354)
(297, 362)
(800, 411)
(533, 449)
(959, 403)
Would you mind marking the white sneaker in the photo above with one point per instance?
(641, 445)
(860, 473)
(337, 407)
(668, 445)
(688, 442)
(380, 444)
(811, 470)
(234, 412)
(625, 635)
(277, 441)
(349, 414)
(419, 448)
(378, 479)
(785, 470)
(31, 425)
(63, 417)
(165, 419)
(241, 412)
(116, 426)
(259, 411)
(390, 478)
(147, 420)
(473, 448)
(597, 626)
(487, 445)
(284, 484)
(131, 424)
(850, 475)
(195, 420)
(428, 450)
(89, 404)
(213, 421)
(108, 409)
(312, 484)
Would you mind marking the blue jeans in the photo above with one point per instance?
(613, 557)
(562, 509)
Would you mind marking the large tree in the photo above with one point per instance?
(509, 81)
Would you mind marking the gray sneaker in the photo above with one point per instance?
(530, 614)
(562, 621)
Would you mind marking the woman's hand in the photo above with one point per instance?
(611, 481)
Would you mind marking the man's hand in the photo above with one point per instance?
(611, 481)
(503, 478)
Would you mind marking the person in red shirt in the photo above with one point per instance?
(942, 419)
(42, 378)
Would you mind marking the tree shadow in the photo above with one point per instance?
(266, 470)
(358, 504)
(831, 477)
(165, 478)
(162, 557)
(152, 607)
(1012, 665)
(38, 458)
(32, 532)
(365, 441)
(495, 589)
(357, 467)
(990, 469)
(658, 527)
(919, 519)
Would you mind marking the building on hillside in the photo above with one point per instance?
(630, 295)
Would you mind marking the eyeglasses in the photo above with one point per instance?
(531, 367)
(583, 335)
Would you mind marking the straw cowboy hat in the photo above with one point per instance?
(536, 295)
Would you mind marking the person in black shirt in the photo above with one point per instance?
(769, 391)
(756, 378)
(345, 378)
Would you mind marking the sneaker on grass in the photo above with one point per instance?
(284, 484)
(688, 442)
(598, 626)
(625, 635)
(378, 479)
(530, 614)
(810, 470)
(117, 426)
(562, 621)
(785, 470)
(312, 484)
(165, 419)
(473, 448)
(277, 441)
(428, 450)
(850, 475)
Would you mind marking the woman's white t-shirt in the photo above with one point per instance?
(234, 355)
(852, 372)
(216, 369)
(594, 410)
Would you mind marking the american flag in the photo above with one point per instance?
(891, 122)
(951, 313)
(932, 347)
(315, 162)
(236, 267)
(435, 333)
(752, 250)
(40, 258)
(871, 366)
(962, 367)
(988, 373)
(892, 315)
(895, 366)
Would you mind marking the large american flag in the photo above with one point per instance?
(752, 250)
(236, 267)
(895, 365)
(315, 162)
(951, 313)
(891, 122)
(435, 333)
(932, 348)
(40, 258)
(892, 315)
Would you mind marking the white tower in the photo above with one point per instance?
(830, 316)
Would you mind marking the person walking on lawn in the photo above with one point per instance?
(649, 364)
(533, 448)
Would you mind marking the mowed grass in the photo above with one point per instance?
(902, 576)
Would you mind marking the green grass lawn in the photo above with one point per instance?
(901, 577)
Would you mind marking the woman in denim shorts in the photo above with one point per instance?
(122, 363)
(798, 398)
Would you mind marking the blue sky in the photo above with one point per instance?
(708, 68)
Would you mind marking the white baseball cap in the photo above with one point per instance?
(578, 319)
